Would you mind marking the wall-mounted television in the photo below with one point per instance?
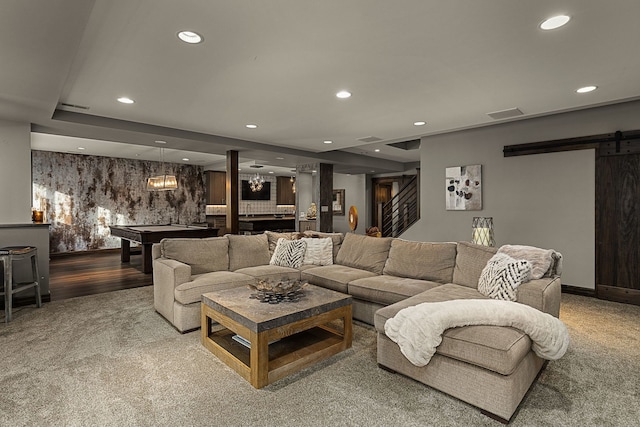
(264, 194)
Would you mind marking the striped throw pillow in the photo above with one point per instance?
(288, 253)
(502, 275)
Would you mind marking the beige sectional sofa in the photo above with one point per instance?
(491, 367)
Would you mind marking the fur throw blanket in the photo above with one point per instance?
(418, 330)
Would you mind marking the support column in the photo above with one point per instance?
(232, 192)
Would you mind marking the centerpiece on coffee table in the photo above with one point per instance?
(276, 291)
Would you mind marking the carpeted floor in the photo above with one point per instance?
(111, 360)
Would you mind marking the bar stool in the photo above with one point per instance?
(8, 255)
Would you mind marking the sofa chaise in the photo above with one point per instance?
(490, 367)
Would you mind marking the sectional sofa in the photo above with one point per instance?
(490, 367)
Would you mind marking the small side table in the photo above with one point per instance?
(8, 255)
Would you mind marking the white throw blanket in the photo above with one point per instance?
(418, 329)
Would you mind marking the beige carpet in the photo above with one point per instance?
(110, 360)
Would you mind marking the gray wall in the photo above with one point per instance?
(545, 200)
(354, 195)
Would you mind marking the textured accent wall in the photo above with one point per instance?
(83, 195)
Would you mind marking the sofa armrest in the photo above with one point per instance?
(543, 294)
(167, 275)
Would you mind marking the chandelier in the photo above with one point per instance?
(162, 182)
(255, 183)
(292, 180)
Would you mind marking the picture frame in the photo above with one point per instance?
(463, 188)
(338, 202)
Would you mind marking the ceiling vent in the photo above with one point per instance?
(370, 139)
(256, 166)
(79, 107)
(414, 144)
(505, 114)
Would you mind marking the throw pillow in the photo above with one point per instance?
(540, 259)
(319, 251)
(502, 275)
(288, 253)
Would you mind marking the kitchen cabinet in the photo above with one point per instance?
(284, 193)
(216, 187)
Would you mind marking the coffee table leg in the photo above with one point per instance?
(348, 328)
(259, 359)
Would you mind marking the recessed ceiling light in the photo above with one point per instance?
(279, 158)
(185, 159)
(251, 126)
(554, 22)
(419, 123)
(160, 142)
(125, 100)
(190, 37)
(80, 148)
(343, 94)
(328, 142)
(377, 150)
(587, 89)
(270, 171)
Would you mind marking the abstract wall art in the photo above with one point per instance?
(463, 188)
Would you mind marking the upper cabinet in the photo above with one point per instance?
(216, 183)
(285, 194)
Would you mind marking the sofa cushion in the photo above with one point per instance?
(191, 292)
(420, 260)
(203, 255)
(387, 289)
(364, 252)
(289, 253)
(470, 260)
(273, 236)
(318, 251)
(334, 276)
(248, 251)
(336, 238)
(499, 349)
(502, 275)
(271, 272)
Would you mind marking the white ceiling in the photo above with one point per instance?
(279, 63)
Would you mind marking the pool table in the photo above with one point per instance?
(147, 235)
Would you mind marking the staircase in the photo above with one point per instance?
(402, 210)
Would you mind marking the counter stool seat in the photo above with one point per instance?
(8, 255)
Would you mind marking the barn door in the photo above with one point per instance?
(618, 221)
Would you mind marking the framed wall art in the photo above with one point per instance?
(463, 188)
(338, 202)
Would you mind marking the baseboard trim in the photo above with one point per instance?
(576, 290)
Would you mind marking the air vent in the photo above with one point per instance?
(505, 114)
(256, 166)
(79, 107)
(414, 144)
(370, 139)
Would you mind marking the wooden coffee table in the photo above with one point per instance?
(284, 338)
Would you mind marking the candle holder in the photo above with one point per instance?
(482, 228)
(37, 216)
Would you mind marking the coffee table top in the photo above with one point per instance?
(258, 316)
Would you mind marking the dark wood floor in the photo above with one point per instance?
(74, 275)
